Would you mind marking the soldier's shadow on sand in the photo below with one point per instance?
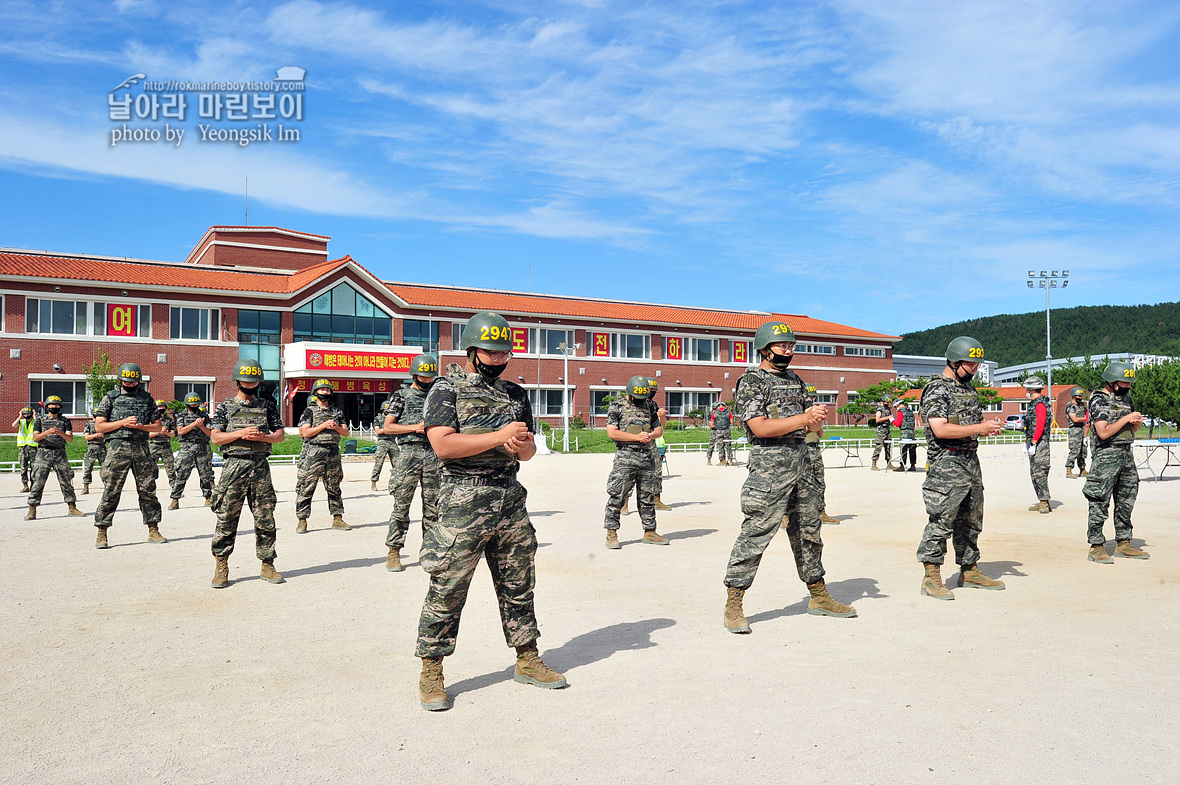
(687, 534)
(336, 565)
(545, 513)
(582, 650)
(994, 569)
(848, 592)
(676, 505)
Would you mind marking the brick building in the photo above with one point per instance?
(274, 295)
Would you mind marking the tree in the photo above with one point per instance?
(1157, 391)
(100, 378)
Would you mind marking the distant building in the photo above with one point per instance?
(914, 366)
(1011, 374)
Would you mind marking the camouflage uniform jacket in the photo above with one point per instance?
(955, 401)
(167, 428)
(96, 444)
(196, 434)
(1078, 410)
(722, 420)
(235, 414)
(883, 416)
(315, 415)
(119, 403)
(1030, 419)
(1111, 407)
(632, 418)
(469, 403)
(382, 412)
(52, 444)
(773, 394)
(908, 423)
(407, 405)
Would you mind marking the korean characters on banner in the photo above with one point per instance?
(520, 340)
(121, 320)
(741, 352)
(348, 385)
(600, 344)
(674, 347)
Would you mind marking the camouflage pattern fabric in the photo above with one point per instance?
(1109, 408)
(883, 439)
(128, 455)
(27, 455)
(51, 456)
(908, 431)
(188, 417)
(245, 478)
(96, 452)
(957, 402)
(316, 415)
(773, 394)
(655, 451)
(118, 404)
(632, 469)
(720, 436)
(193, 454)
(1077, 436)
(1113, 473)
(416, 463)
(234, 414)
(319, 462)
(1038, 470)
(408, 407)
(815, 465)
(161, 446)
(386, 451)
(481, 512)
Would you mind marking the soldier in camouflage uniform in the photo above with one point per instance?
(51, 432)
(633, 425)
(96, 452)
(720, 423)
(883, 440)
(322, 426)
(908, 433)
(386, 446)
(815, 464)
(1113, 472)
(1078, 415)
(245, 427)
(194, 427)
(481, 427)
(662, 415)
(776, 413)
(161, 443)
(128, 416)
(953, 490)
(416, 461)
(1038, 428)
(26, 448)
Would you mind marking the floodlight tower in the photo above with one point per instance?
(1048, 282)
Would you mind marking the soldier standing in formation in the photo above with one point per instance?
(1038, 422)
(953, 490)
(632, 424)
(481, 427)
(161, 443)
(662, 416)
(26, 448)
(815, 462)
(52, 433)
(194, 427)
(245, 427)
(322, 426)
(1114, 420)
(908, 433)
(386, 446)
(883, 440)
(128, 416)
(1077, 413)
(96, 452)
(416, 461)
(720, 423)
(776, 412)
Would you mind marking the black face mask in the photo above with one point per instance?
(780, 361)
(323, 396)
(54, 410)
(488, 371)
(248, 392)
(130, 387)
(194, 409)
(424, 383)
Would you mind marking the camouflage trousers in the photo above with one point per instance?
(1112, 473)
(1077, 449)
(52, 461)
(478, 520)
(245, 479)
(953, 493)
(27, 456)
(781, 483)
(416, 463)
(633, 467)
(720, 438)
(883, 442)
(386, 450)
(815, 464)
(908, 449)
(161, 450)
(126, 455)
(319, 462)
(659, 475)
(1038, 470)
(200, 456)
(93, 455)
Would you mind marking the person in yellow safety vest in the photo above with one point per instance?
(25, 446)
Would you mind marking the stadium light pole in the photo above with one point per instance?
(1048, 281)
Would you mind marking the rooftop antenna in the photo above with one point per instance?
(247, 200)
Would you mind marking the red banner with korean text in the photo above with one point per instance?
(741, 351)
(121, 319)
(674, 348)
(345, 385)
(520, 340)
(600, 344)
(380, 362)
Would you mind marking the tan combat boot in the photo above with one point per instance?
(822, 603)
(531, 669)
(74, 511)
(154, 535)
(708, 462)
(431, 692)
(735, 617)
(612, 539)
(373, 485)
(874, 467)
(900, 467)
(971, 577)
(393, 560)
(932, 585)
(100, 542)
(1083, 473)
(31, 515)
(208, 501)
(24, 488)
(1128, 551)
(338, 523)
(1069, 475)
(85, 489)
(269, 573)
(175, 504)
(1041, 507)
(651, 538)
(221, 573)
(825, 518)
(623, 510)
(301, 527)
(1098, 554)
(660, 504)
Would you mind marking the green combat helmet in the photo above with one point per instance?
(129, 372)
(773, 332)
(424, 365)
(192, 399)
(964, 349)
(51, 400)
(488, 331)
(811, 389)
(1119, 372)
(248, 371)
(161, 402)
(639, 388)
(1076, 392)
(322, 384)
(653, 384)
(1034, 383)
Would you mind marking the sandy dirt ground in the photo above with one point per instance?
(125, 666)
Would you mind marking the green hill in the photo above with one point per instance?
(1011, 339)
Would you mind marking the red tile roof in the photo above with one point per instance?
(264, 228)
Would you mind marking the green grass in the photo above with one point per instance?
(76, 449)
(596, 440)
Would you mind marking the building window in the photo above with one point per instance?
(552, 340)
(72, 317)
(815, 348)
(56, 317)
(632, 346)
(118, 319)
(994, 407)
(598, 400)
(704, 350)
(420, 333)
(743, 353)
(342, 315)
(863, 351)
(195, 324)
(550, 402)
(181, 390)
(73, 395)
(259, 326)
(681, 402)
(827, 398)
(457, 334)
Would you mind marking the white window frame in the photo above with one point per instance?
(213, 330)
(827, 398)
(864, 351)
(92, 310)
(751, 355)
(534, 399)
(74, 379)
(823, 349)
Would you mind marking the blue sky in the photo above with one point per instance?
(893, 166)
